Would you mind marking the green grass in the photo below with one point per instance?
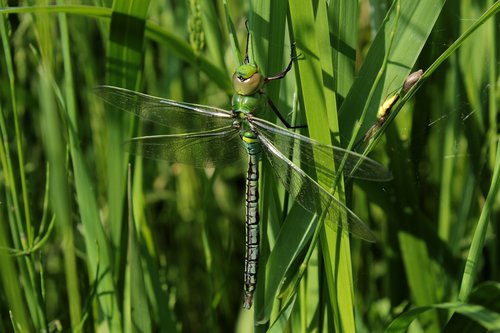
(80, 250)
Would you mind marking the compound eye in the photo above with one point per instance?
(249, 86)
(247, 80)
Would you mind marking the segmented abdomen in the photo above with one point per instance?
(252, 221)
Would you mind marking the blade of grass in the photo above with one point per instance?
(124, 62)
(486, 295)
(233, 36)
(137, 314)
(344, 35)
(28, 228)
(22, 238)
(475, 253)
(96, 242)
(489, 319)
(212, 32)
(59, 190)
(67, 232)
(9, 277)
(293, 237)
(335, 246)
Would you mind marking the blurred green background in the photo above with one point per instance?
(81, 253)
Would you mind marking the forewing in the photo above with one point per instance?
(165, 112)
(204, 149)
(316, 156)
(310, 195)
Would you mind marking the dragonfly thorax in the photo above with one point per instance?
(245, 104)
(247, 80)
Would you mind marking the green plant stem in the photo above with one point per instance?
(475, 253)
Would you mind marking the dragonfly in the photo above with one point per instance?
(216, 137)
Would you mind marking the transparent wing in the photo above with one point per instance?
(316, 156)
(165, 112)
(312, 196)
(202, 149)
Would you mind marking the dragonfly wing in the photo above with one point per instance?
(165, 112)
(312, 196)
(202, 149)
(314, 155)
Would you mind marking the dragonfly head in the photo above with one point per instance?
(247, 80)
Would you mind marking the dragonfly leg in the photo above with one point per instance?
(283, 73)
(280, 116)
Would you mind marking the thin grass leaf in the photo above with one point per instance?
(335, 247)
(489, 319)
(292, 238)
(475, 253)
(233, 38)
(213, 33)
(124, 67)
(67, 231)
(137, 311)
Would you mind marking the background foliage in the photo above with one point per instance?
(78, 254)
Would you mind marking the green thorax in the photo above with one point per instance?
(247, 83)
(246, 104)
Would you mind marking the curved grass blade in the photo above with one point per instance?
(165, 112)
(202, 149)
(482, 315)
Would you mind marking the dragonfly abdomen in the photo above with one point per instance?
(251, 218)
